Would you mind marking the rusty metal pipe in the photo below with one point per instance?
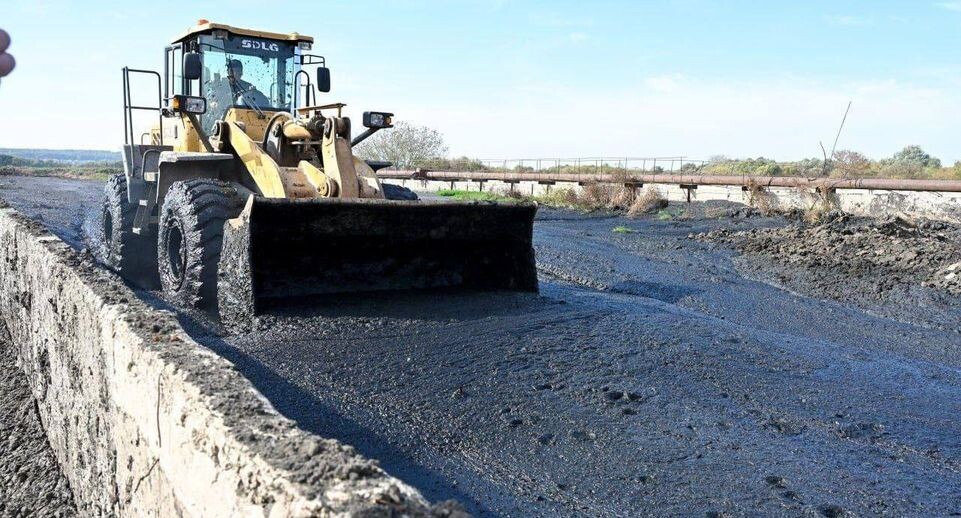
(888, 184)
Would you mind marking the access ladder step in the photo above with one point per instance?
(140, 231)
(144, 216)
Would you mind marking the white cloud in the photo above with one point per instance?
(554, 20)
(661, 115)
(673, 116)
(663, 84)
(849, 21)
(950, 6)
(36, 7)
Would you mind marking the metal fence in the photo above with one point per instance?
(584, 165)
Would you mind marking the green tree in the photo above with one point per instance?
(405, 145)
(851, 164)
(915, 155)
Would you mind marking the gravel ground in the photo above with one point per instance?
(655, 374)
(30, 480)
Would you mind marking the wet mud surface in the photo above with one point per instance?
(655, 374)
(68, 208)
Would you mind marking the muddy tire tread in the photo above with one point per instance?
(130, 255)
(202, 207)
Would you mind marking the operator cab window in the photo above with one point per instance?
(246, 72)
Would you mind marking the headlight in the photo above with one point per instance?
(188, 104)
(378, 120)
(304, 45)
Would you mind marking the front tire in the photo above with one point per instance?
(190, 238)
(133, 256)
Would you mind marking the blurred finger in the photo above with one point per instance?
(4, 40)
(6, 64)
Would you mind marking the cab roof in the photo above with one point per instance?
(206, 27)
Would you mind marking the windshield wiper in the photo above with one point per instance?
(250, 103)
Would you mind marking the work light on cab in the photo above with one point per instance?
(188, 104)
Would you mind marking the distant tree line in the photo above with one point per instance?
(910, 162)
(408, 146)
(14, 161)
(61, 156)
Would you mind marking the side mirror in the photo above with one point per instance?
(193, 66)
(323, 79)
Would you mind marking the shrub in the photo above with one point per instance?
(768, 169)
(559, 198)
(851, 164)
(761, 199)
(597, 195)
(651, 201)
(902, 170)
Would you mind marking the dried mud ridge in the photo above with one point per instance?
(854, 259)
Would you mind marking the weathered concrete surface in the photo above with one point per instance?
(862, 202)
(144, 422)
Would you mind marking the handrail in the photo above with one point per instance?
(129, 107)
(308, 88)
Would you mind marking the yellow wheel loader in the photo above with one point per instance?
(246, 193)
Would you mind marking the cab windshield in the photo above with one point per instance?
(246, 72)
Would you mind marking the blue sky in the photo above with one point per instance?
(509, 79)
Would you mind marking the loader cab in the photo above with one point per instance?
(244, 75)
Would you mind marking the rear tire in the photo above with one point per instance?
(133, 256)
(190, 238)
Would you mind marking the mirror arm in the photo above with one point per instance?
(204, 139)
(363, 136)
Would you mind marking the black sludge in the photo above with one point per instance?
(294, 248)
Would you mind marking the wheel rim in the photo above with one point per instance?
(108, 232)
(176, 252)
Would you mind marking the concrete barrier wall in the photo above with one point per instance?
(867, 202)
(145, 422)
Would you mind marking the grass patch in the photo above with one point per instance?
(665, 215)
(72, 172)
(623, 230)
(559, 199)
(472, 195)
(592, 197)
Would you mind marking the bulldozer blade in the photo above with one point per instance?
(279, 249)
